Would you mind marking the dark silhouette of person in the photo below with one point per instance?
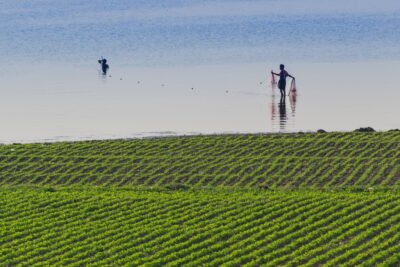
(282, 79)
(104, 65)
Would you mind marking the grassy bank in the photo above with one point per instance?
(236, 200)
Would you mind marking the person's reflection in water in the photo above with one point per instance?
(282, 113)
(281, 118)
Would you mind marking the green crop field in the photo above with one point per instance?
(210, 227)
(279, 160)
(329, 199)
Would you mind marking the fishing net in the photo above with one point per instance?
(273, 78)
(273, 81)
(293, 89)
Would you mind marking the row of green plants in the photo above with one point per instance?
(285, 144)
(244, 172)
(291, 160)
(71, 226)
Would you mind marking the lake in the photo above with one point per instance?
(195, 67)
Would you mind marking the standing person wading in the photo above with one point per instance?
(282, 79)
(104, 65)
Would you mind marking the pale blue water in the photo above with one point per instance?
(344, 55)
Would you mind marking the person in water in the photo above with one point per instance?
(104, 65)
(282, 79)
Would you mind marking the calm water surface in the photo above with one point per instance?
(183, 67)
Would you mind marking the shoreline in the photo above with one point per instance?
(170, 134)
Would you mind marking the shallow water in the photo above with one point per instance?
(182, 67)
